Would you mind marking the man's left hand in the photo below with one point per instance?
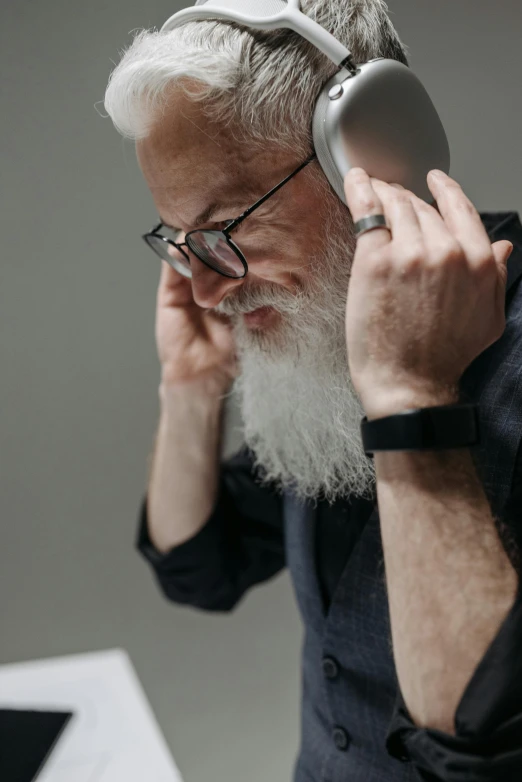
(423, 301)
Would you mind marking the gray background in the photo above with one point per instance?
(78, 391)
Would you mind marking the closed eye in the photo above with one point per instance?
(223, 224)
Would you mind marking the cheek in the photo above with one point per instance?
(291, 276)
(282, 253)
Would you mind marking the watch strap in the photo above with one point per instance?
(427, 428)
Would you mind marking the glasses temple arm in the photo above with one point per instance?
(249, 211)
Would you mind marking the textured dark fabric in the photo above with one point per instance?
(354, 723)
(335, 539)
(241, 545)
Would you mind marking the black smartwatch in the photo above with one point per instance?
(426, 428)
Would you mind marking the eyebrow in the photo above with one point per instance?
(201, 219)
(204, 217)
(213, 209)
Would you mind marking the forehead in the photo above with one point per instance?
(186, 159)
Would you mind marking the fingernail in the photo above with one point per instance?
(437, 175)
(396, 186)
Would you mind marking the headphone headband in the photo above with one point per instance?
(264, 15)
(375, 114)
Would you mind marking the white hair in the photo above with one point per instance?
(261, 84)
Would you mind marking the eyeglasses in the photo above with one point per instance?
(213, 248)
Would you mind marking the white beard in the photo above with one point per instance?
(301, 414)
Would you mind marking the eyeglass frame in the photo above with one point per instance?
(226, 231)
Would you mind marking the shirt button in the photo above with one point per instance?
(341, 739)
(330, 667)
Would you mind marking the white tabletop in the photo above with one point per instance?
(113, 735)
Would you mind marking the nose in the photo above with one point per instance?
(208, 287)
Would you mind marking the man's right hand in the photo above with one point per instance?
(194, 345)
(197, 354)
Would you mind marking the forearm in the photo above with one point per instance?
(450, 582)
(185, 465)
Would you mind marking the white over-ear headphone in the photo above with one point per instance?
(376, 115)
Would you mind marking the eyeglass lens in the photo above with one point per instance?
(171, 254)
(211, 247)
(214, 250)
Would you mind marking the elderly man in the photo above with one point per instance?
(405, 565)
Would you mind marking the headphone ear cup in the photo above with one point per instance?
(323, 136)
(382, 119)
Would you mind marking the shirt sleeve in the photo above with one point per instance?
(487, 746)
(241, 544)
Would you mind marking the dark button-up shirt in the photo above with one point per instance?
(242, 544)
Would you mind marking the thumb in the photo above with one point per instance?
(501, 251)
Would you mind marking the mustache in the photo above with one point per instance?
(246, 299)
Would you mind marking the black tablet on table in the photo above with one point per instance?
(27, 738)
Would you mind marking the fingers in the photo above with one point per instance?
(172, 278)
(451, 219)
(363, 201)
(460, 217)
(435, 235)
(174, 290)
(401, 215)
(501, 252)
(456, 228)
(169, 278)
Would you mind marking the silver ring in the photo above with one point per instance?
(369, 223)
